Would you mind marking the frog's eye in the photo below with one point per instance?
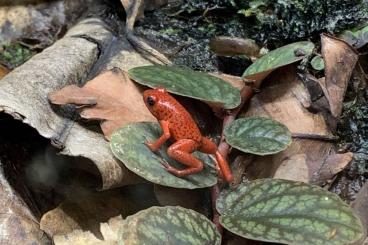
(150, 101)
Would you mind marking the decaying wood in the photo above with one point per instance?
(134, 10)
(66, 62)
(37, 22)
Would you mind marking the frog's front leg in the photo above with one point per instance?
(164, 137)
(181, 151)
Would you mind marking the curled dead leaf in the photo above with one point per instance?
(340, 59)
(110, 97)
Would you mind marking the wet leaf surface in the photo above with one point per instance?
(288, 212)
(317, 63)
(277, 58)
(186, 82)
(258, 135)
(128, 146)
(168, 225)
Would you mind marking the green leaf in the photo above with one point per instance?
(186, 82)
(288, 212)
(318, 63)
(168, 225)
(277, 58)
(127, 144)
(356, 38)
(258, 135)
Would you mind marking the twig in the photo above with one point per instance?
(315, 136)
(215, 191)
(138, 43)
(246, 93)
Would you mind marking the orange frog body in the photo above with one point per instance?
(178, 125)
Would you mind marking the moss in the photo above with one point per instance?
(291, 20)
(14, 54)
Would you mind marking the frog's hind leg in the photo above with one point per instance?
(181, 151)
(207, 146)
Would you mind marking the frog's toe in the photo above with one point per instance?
(151, 146)
(168, 167)
(165, 163)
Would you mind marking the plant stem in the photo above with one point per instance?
(245, 94)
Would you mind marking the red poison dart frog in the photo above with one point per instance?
(178, 126)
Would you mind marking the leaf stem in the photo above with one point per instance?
(224, 148)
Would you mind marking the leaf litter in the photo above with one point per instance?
(111, 98)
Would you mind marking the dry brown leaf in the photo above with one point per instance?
(294, 168)
(110, 97)
(333, 165)
(86, 209)
(108, 230)
(238, 167)
(3, 71)
(79, 237)
(168, 196)
(340, 59)
(360, 206)
(235, 81)
(284, 100)
(224, 46)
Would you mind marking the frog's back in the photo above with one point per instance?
(181, 123)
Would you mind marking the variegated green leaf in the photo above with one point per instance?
(127, 144)
(186, 82)
(356, 37)
(258, 135)
(318, 63)
(288, 212)
(277, 58)
(168, 225)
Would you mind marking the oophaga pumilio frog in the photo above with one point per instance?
(178, 126)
